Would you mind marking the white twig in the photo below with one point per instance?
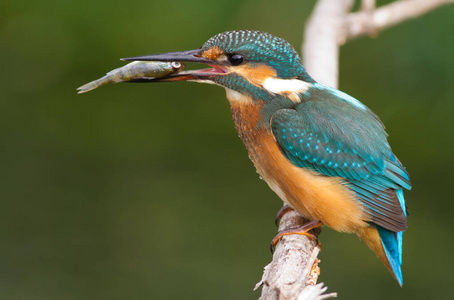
(315, 292)
(368, 5)
(321, 46)
(361, 23)
(294, 270)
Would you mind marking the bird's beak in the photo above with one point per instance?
(183, 56)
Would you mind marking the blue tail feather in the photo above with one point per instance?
(392, 243)
(400, 196)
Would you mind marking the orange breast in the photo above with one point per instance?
(317, 197)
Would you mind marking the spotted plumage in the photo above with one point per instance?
(321, 151)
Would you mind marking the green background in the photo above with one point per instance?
(140, 191)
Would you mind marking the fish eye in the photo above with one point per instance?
(175, 65)
(235, 59)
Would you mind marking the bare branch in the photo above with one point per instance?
(368, 5)
(361, 23)
(294, 270)
(321, 46)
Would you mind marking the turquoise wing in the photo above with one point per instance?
(334, 137)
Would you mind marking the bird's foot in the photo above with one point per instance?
(302, 230)
(284, 209)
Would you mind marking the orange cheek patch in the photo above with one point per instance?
(254, 74)
(212, 53)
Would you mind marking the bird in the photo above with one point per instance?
(323, 152)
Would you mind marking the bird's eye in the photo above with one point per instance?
(236, 59)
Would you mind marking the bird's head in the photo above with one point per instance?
(252, 63)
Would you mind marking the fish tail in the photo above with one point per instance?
(94, 84)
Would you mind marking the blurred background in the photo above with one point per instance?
(138, 191)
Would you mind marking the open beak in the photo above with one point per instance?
(182, 56)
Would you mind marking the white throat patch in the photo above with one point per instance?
(288, 87)
(237, 97)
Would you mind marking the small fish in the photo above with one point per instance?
(134, 70)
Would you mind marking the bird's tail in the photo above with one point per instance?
(392, 244)
(387, 245)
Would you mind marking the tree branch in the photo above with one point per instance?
(321, 46)
(294, 271)
(361, 23)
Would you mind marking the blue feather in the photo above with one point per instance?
(400, 196)
(342, 138)
(338, 138)
(392, 243)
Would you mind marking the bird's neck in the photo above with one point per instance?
(247, 116)
(246, 113)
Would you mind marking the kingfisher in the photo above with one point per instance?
(323, 152)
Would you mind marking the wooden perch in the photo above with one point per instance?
(321, 42)
(331, 25)
(294, 270)
(365, 22)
